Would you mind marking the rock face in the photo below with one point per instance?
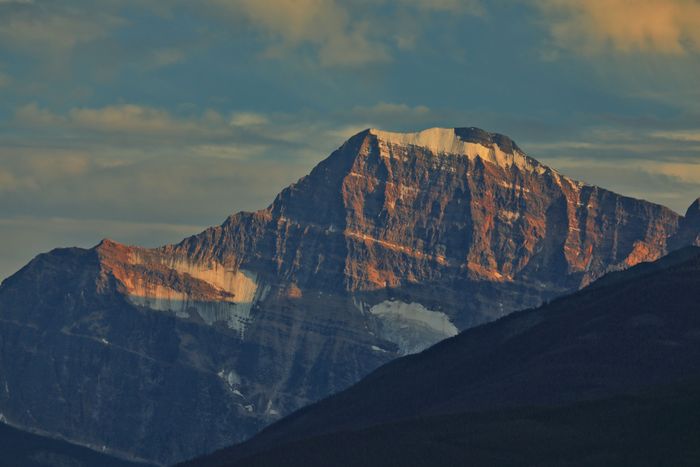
(392, 243)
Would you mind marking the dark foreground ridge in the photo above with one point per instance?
(21, 449)
(650, 429)
(575, 362)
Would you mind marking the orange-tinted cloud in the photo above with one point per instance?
(340, 37)
(343, 33)
(655, 26)
(123, 118)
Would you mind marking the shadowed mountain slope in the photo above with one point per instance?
(21, 449)
(645, 430)
(634, 331)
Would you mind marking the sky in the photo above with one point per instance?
(147, 120)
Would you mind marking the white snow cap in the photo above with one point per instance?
(470, 142)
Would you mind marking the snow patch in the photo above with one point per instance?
(233, 383)
(270, 410)
(241, 283)
(235, 315)
(235, 312)
(231, 378)
(446, 141)
(411, 326)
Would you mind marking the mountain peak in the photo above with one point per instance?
(449, 139)
(105, 242)
(693, 210)
(468, 141)
(689, 232)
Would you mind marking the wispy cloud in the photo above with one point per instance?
(347, 33)
(391, 111)
(166, 56)
(52, 27)
(248, 119)
(123, 118)
(473, 7)
(692, 136)
(327, 25)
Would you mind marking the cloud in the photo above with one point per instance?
(333, 33)
(247, 119)
(625, 26)
(62, 35)
(138, 162)
(384, 109)
(8, 181)
(339, 38)
(51, 27)
(166, 56)
(473, 7)
(387, 116)
(133, 129)
(123, 118)
(24, 170)
(34, 115)
(341, 33)
(691, 136)
(130, 118)
(236, 135)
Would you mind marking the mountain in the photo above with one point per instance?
(689, 228)
(392, 243)
(651, 429)
(19, 448)
(531, 377)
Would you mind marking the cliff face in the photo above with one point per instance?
(392, 243)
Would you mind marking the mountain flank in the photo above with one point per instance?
(606, 375)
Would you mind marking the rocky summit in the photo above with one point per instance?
(392, 243)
